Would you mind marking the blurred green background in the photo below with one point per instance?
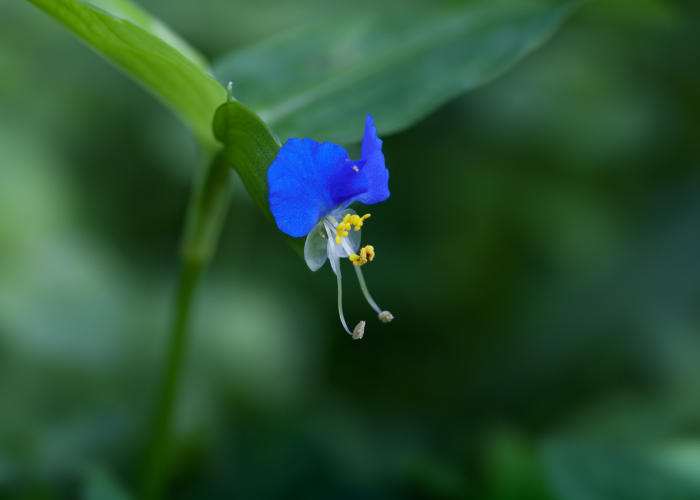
(540, 252)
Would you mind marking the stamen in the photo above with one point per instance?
(358, 221)
(343, 227)
(359, 331)
(365, 253)
(385, 316)
(336, 261)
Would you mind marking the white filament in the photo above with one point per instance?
(335, 261)
(348, 246)
(365, 291)
(345, 245)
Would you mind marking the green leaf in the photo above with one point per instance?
(168, 74)
(585, 471)
(132, 12)
(322, 80)
(250, 148)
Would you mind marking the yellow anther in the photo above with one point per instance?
(359, 260)
(354, 167)
(366, 254)
(346, 224)
(342, 231)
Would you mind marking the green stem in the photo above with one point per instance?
(156, 461)
(205, 214)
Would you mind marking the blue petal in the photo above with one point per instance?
(308, 180)
(375, 171)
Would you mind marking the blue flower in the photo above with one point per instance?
(311, 187)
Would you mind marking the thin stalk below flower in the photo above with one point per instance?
(203, 222)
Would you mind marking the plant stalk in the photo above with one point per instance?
(205, 214)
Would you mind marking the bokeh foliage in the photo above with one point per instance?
(539, 252)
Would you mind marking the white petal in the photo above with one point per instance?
(316, 247)
(330, 252)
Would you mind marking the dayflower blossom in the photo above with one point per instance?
(311, 187)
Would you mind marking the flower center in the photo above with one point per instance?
(346, 245)
(346, 224)
(343, 229)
